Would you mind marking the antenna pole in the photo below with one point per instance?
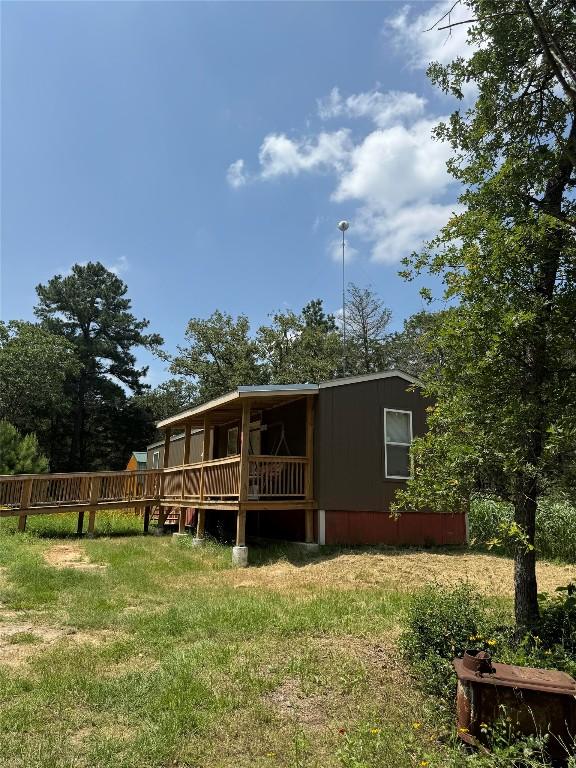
(343, 306)
(343, 226)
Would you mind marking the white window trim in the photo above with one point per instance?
(156, 460)
(386, 444)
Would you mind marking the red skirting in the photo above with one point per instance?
(416, 528)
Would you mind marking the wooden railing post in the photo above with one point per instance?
(244, 475)
(24, 504)
(94, 496)
(244, 452)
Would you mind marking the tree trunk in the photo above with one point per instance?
(77, 444)
(525, 588)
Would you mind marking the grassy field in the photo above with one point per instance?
(131, 651)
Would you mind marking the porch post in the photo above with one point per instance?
(240, 551)
(187, 438)
(309, 485)
(201, 522)
(162, 510)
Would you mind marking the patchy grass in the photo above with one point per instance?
(134, 651)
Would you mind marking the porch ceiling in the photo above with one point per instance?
(229, 407)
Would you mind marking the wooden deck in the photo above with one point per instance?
(274, 482)
(240, 483)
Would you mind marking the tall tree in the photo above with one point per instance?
(220, 355)
(168, 398)
(300, 348)
(19, 454)
(506, 393)
(415, 348)
(89, 309)
(34, 368)
(367, 321)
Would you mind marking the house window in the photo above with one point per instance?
(156, 460)
(397, 441)
(232, 442)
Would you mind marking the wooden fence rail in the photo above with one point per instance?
(268, 477)
(38, 492)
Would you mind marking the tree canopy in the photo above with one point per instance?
(505, 379)
(19, 454)
(89, 309)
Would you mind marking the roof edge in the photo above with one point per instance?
(393, 372)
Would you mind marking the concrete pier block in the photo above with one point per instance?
(311, 547)
(240, 557)
(198, 541)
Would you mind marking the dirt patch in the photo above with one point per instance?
(403, 570)
(70, 556)
(14, 652)
(289, 700)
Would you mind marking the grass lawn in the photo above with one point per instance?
(131, 650)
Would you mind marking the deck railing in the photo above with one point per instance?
(268, 477)
(78, 488)
(283, 476)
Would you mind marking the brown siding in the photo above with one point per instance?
(177, 450)
(349, 442)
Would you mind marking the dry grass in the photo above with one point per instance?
(402, 570)
(70, 556)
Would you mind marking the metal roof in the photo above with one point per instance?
(392, 372)
(229, 406)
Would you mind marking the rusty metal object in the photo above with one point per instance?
(537, 701)
(478, 661)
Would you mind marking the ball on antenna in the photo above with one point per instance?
(343, 225)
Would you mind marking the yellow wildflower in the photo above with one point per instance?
(374, 731)
(462, 730)
(416, 726)
(423, 763)
(491, 642)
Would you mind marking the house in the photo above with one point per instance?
(314, 463)
(138, 460)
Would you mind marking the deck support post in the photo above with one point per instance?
(94, 494)
(80, 526)
(182, 521)
(240, 551)
(201, 524)
(309, 484)
(146, 519)
(24, 504)
(162, 513)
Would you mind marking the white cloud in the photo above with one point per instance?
(335, 251)
(412, 34)
(394, 177)
(394, 234)
(280, 155)
(235, 174)
(119, 267)
(382, 108)
(392, 167)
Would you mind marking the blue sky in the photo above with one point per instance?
(205, 151)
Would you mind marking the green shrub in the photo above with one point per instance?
(440, 623)
(489, 518)
(555, 529)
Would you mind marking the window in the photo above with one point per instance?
(156, 460)
(397, 440)
(232, 442)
